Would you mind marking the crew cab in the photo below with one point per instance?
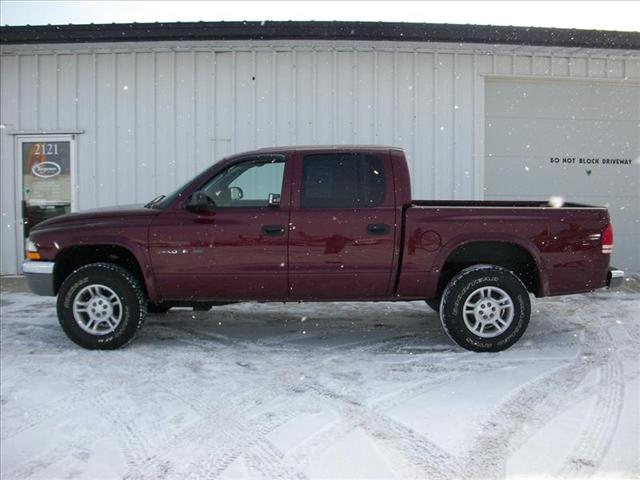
(316, 224)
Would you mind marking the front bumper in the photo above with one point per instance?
(614, 278)
(39, 276)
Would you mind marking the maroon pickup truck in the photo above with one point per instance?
(316, 224)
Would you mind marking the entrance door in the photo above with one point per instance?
(47, 166)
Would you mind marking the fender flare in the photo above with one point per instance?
(469, 238)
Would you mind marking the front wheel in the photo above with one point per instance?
(485, 308)
(101, 306)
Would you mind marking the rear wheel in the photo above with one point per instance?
(101, 306)
(485, 308)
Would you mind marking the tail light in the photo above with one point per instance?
(607, 240)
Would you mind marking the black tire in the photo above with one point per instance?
(126, 300)
(157, 308)
(504, 324)
(434, 304)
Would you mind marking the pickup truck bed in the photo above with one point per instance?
(563, 244)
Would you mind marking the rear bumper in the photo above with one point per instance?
(39, 276)
(614, 278)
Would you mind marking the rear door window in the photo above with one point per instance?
(342, 180)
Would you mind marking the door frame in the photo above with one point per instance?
(40, 137)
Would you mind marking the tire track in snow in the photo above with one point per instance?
(204, 341)
(210, 424)
(234, 435)
(36, 465)
(594, 442)
(167, 459)
(401, 395)
(531, 407)
(245, 438)
(508, 427)
(425, 457)
(140, 450)
(266, 461)
(133, 444)
(17, 423)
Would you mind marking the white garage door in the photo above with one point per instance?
(576, 139)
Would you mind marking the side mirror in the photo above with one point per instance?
(235, 193)
(199, 202)
(274, 200)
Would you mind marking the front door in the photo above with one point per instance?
(235, 250)
(46, 174)
(342, 227)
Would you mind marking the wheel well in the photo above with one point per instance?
(72, 258)
(502, 254)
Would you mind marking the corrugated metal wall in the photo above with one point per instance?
(152, 116)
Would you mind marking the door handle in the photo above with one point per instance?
(273, 230)
(378, 228)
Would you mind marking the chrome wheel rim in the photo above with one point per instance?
(488, 312)
(97, 309)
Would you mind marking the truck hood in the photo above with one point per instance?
(99, 215)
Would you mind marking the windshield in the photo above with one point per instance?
(163, 201)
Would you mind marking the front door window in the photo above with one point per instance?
(248, 184)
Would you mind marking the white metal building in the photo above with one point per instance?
(116, 114)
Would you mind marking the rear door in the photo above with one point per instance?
(342, 231)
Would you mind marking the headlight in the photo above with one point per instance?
(32, 250)
(31, 246)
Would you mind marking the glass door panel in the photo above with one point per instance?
(46, 180)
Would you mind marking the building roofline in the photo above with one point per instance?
(297, 30)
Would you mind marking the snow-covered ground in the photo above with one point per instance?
(349, 390)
